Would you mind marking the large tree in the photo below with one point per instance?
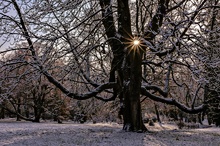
(212, 67)
(113, 49)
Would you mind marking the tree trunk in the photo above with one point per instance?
(27, 113)
(157, 113)
(213, 111)
(2, 113)
(129, 70)
(26, 108)
(132, 85)
(19, 109)
(38, 110)
(36, 115)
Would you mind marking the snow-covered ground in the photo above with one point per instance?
(102, 134)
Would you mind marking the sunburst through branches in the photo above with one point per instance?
(135, 45)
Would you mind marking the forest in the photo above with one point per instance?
(126, 61)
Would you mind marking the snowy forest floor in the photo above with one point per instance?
(102, 134)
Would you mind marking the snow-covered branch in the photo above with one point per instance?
(77, 96)
(174, 102)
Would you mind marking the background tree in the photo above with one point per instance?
(30, 95)
(212, 67)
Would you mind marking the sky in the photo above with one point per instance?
(11, 12)
(5, 46)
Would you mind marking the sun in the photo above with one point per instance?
(136, 42)
(135, 45)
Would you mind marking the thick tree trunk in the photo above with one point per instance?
(129, 70)
(38, 111)
(132, 85)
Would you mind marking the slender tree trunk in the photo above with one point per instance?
(26, 111)
(157, 113)
(2, 113)
(2, 110)
(26, 108)
(19, 109)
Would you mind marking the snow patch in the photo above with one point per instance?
(101, 134)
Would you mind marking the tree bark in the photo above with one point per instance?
(132, 90)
